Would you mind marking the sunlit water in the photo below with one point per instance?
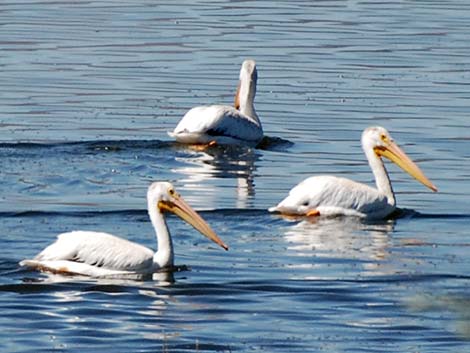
(89, 90)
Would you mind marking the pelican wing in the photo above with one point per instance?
(100, 250)
(216, 122)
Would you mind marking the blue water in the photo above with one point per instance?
(89, 90)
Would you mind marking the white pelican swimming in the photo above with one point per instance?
(329, 195)
(100, 254)
(222, 124)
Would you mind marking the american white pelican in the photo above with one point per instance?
(330, 195)
(100, 254)
(223, 124)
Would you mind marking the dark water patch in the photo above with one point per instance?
(48, 283)
(411, 277)
(79, 214)
(223, 212)
(273, 143)
(6, 265)
(22, 288)
(94, 145)
(116, 146)
(440, 216)
(193, 345)
(337, 290)
(267, 143)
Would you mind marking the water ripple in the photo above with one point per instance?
(89, 91)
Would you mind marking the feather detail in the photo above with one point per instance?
(99, 250)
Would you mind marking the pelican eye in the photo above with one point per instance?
(171, 192)
(384, 138)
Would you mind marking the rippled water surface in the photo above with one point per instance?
(89, 90)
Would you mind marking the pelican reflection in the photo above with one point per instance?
(203, 170)
(342, 238)
(161, 278)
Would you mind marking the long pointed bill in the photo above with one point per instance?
(236, 103)
(397, 156)
(180, 208)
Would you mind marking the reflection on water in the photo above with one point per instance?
(201, 165)
(116, 76)
(101, 309)
(346, 238)
(161, 278)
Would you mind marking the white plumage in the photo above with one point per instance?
(223, 124)
(329, 195)
(100, 254)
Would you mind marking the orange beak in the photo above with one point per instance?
(397, 156)
(180, 208)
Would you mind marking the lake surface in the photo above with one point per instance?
(89, 90)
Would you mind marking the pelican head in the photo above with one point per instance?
(166, 199)
(248, 70)
(378, 139)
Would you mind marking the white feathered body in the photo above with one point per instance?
(93, 254)
(225, 124)
(220, 123)
(335, 196)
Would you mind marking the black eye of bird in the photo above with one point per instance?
(172, 192)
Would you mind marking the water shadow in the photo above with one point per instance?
(47, 281)
(273, 143)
